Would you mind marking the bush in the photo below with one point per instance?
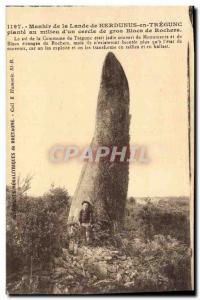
(40, 235)
(14, 254)
(166, 263)
(36, 236)
(151, 219)
(151, 253)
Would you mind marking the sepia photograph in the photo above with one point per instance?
(100, 150)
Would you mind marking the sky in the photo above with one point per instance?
(56, 96)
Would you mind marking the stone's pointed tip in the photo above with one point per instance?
(113, 73)
(110, 59)
(110, 55)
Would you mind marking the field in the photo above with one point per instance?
(150, 253)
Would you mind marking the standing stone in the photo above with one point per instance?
(105, 183)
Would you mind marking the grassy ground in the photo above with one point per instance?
(151, 253)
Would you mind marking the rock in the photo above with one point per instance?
(105, 281)
(66, 290)
(57, 260)
(57, 289)
(107, 258)
(119, 277)
(69, 277)
(80, 251)
(75, 248)
(123, 257)
(99, 269)
(129, 284)
(115, 252)
(113, 268)
(94, 277)
(65, 252)
(132, 274)
(60, 271)
(111, 128)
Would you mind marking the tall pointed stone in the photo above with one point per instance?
(105, 184)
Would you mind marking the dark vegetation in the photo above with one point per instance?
(45, 255)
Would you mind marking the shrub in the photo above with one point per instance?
(35, 237)
(151, 219)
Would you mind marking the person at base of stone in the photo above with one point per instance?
(86, 220)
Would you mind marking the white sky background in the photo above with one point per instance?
(3, 115)
(56, 102)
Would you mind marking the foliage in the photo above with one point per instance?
(163, 264)
(35, 237)
(101, 233)
(40, 235)
(151, 253)
(164, 218)
(57, 198)
(14, 255)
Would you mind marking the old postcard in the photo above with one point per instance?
(100, 149)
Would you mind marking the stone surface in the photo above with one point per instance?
(105, 184)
